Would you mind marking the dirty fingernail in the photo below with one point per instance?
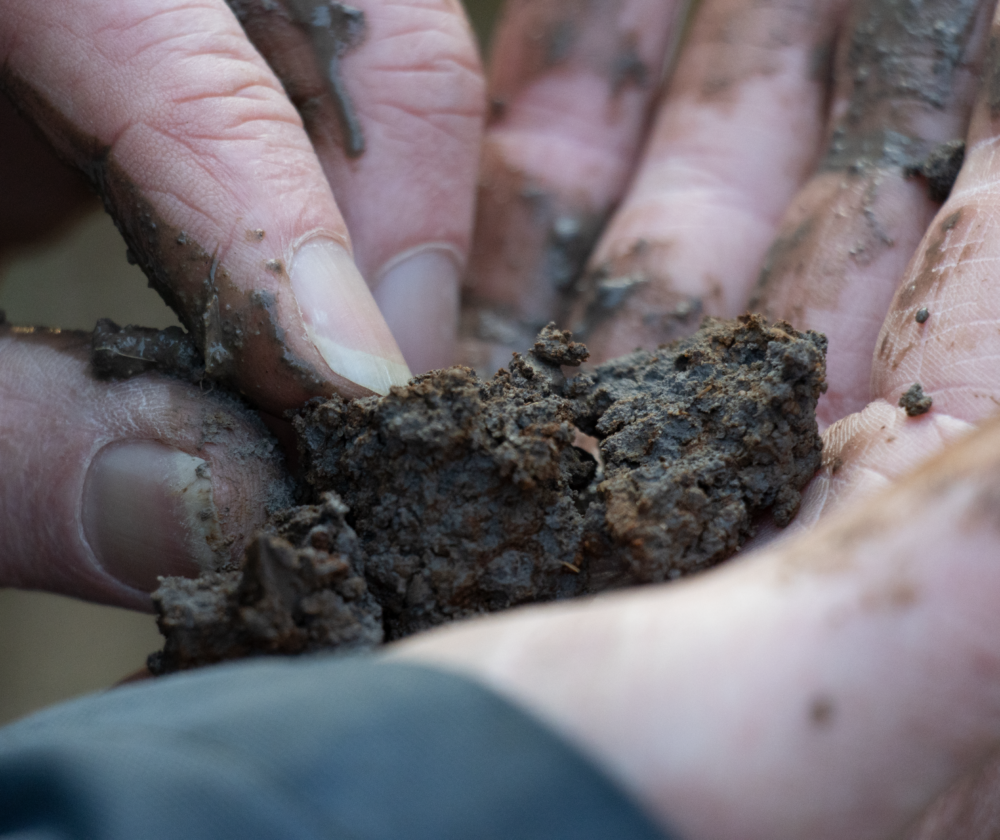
(342, 319)
(418, 295)
(148, 511)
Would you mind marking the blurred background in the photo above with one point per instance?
(53, 648)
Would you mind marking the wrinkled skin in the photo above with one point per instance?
(834, 684)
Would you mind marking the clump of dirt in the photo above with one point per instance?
(915, 401)
(452, 496)
(121, 352)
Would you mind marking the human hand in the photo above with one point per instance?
(835, 683)
(239, 214)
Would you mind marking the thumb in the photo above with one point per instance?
(204, 163)
(108, 485)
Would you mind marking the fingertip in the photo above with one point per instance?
(341, 318)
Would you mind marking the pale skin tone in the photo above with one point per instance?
(833, 684)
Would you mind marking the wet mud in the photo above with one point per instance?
(915, 401)
(455, 496)
(902, 62)
(314, 83)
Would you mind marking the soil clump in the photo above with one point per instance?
(454, 496)
(915, 402)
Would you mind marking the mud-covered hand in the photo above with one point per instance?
(835, 683)
(234, 182)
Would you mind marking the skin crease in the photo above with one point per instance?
(822, 613)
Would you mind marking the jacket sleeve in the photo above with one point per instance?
(325, 747)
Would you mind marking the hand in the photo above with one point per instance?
(835, 683)
(239, 214)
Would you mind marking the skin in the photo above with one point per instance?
(850, 665)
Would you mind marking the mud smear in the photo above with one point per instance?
(313, 79)
(541, 237)
(915, 401)
(622, 295)
(991, 75)
(584, 34)
(900, 63)
(454, 497)
(940, 169)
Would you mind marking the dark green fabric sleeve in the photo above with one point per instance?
(312, 748)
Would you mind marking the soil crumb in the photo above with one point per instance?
(915, 401)
(454, 496)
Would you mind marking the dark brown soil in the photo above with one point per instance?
(453, 496)
(915, 401)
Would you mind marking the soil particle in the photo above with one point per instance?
(915, 401)
(922, 315)
(940, 169)
(469, 496)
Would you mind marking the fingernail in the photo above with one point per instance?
(418, 295)
(342, 319)
(148, 511)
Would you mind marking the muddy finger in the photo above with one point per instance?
(737, 134)
(107, 485)
(203, 162)
(571, 86)
(905, 86)
(392, 96)
(934, 371)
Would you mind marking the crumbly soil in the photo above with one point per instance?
(453, 496)
(915, 401)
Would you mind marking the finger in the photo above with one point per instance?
(735, 137)
(392, 97)
(906, 81)
(204, 164)
(39, 191)
(830, 670)
(108, 485)
(571, 84)
(949, 353)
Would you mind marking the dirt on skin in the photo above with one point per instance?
(453, 496)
